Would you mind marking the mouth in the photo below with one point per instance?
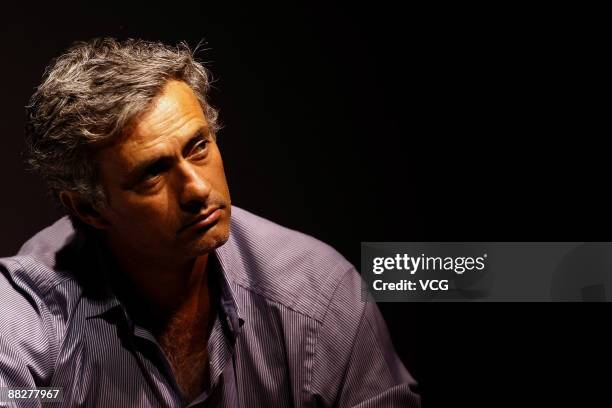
(204, 220)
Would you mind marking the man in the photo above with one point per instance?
(147, 294)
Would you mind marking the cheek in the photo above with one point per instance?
(219, 180)
(138, 212)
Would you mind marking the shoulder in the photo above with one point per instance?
(32, 309)
(36, 268)
(283, 265)
(34, 289)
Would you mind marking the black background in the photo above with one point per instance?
(375, 122)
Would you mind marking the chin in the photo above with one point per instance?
(207, 240)
(210, 241)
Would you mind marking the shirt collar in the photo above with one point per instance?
(227, 296)
(106, 300)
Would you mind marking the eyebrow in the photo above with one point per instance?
(141, 169)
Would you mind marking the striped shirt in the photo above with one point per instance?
(292, 328)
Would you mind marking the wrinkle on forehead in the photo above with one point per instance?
(175, 112)
(174, 115)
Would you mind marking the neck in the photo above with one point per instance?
(162, 290)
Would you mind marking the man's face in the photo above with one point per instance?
(165, 183)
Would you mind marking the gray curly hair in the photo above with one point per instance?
(90, 95)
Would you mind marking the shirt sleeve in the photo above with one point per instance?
(26, 346)
(375, 376)
(354, 345)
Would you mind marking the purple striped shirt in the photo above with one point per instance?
(292, 331)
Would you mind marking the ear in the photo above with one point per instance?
(83, 209)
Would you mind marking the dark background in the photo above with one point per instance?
(378, 123)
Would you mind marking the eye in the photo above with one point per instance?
(200, 148)
(150, 176)
(153, 173)
(149, 181)
(154, 170)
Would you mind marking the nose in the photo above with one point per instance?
(194, 189)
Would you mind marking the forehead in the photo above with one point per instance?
(174, 116)
(175, 112)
